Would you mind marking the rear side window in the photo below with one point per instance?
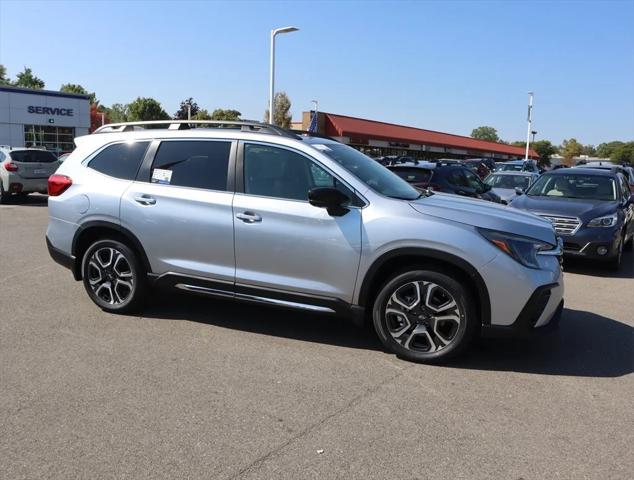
(121, 160)
(32, 156)
(192, 163)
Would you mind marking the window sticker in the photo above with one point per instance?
(163, 177)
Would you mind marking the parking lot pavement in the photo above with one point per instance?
(196, 388)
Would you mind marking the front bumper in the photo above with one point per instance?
(541, 314)
(586, 242)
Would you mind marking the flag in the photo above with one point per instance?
(313, 122)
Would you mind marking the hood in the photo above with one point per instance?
(574, 207)
(506, 194)
(483, 214)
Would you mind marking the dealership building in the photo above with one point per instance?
(42, 118)
(381, 139)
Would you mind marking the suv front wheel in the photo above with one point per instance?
(113, 276)
(424, 316)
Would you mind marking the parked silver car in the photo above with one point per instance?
(24, 171)
(257, 213)
(506, 183)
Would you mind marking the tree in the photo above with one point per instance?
(282, 104)
(570, 149)
(145, 109)
(95, 117)
(604, 150)
(202, 115)
(489, 134)
(182, 111)
(117, 113)
(545, 149)
(3, 76)
(589, 150)
(623, 153)
(78, 89)
(221, 114)
(26, 79)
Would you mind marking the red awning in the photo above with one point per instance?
(343, 126)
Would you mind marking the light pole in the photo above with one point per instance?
(189, 110)
(530, 121)
(272, 67)
(103, 116)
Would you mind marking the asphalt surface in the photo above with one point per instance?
(198, 388)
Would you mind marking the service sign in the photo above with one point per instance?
(65, 112)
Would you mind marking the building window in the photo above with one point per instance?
(54, 139)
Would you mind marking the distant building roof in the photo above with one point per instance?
(49, 93)
(344, 126)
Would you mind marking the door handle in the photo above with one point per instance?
(145, 200)
(249, 217)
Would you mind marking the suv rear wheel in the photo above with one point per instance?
(113, 276)
(424, 316)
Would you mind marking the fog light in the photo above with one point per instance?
(602, 250)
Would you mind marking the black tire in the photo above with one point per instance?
(117, 281)
(615, 262)
(4, 196)
(415, 333)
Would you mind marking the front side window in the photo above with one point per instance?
(121, 160)
(370, 172)
(280, 173)
(192, 163)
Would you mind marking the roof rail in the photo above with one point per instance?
(245, 126)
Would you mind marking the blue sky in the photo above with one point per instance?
(447, 66)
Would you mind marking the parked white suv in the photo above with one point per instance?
(24, 171)
(257, 213)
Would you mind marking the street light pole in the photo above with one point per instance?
(272, 67)
(103, 116)
(189, 111)
(530, 121)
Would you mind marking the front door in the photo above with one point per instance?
(281, 241)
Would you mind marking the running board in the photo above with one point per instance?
(253, 298)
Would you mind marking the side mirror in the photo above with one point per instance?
(331, 199)
(519, 191)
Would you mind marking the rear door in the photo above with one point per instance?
(34, 163)
(180, 209)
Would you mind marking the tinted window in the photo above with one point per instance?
(508, 181)
(456, 177)
(280, 173)
(121, 160)
(413, 175)
(372, 173)
(32, 156)
(192, 163)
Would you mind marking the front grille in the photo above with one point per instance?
(563, 225)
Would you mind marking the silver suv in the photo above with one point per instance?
(24, 171)
(257, 213)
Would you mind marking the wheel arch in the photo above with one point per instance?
(94, 230)
(401, 258)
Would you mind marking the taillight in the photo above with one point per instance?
(10, 167)
(58, 184)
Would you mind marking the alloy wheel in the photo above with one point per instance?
(110, 276)
(423, 316)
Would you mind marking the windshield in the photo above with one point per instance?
(370, 172)
(511, 167)
(508, 181)
(32, 156)
(591, 187)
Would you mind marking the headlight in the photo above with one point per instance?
(607, 221)
(522, 249)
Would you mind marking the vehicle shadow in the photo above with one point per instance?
(263, 320)
(585, 345)
(596, 269)
(33, 200)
